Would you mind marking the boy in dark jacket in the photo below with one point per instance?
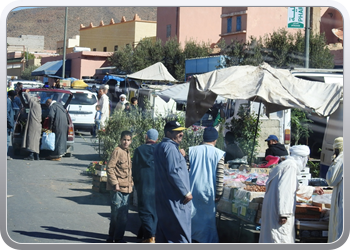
(275, 148)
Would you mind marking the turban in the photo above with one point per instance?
(122, 95)
(338, 143)
(300, 150)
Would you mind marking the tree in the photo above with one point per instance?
(26, 73)
(245, 128)
(147, 53)
(122, 60)
(300, 125)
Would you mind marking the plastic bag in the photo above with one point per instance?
(48, 141)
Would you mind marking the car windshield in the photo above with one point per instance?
(83, 99)
(45, 95)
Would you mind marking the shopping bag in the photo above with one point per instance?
(48, 141)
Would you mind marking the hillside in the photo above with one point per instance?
(49, 21)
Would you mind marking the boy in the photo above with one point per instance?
(97, 120)
(120, 184)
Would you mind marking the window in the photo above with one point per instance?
(229, 25)
(94, 49)
(238, 24)
(104, 49)
(168, 30)
(116, 48)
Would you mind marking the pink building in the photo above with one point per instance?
(200, 24)
(82, 64)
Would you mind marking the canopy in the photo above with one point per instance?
(277, 89)
(155, 72)
(53, 68)
(178, 93)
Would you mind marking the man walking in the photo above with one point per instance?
(144, 180)
(119, 183)
(206, 178)
(173, 196)
(104, 103)
(58, 123)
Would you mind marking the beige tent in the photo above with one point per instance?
(156, 72)
(277, 89)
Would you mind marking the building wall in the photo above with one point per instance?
(255, 21)
(71, 43)
(118, 34)
(31, 43)
(83, 63)
(331, 19)
(200, 24)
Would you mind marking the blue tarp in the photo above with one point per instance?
(53, 68)
(106, 78)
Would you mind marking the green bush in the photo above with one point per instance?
(139, 123)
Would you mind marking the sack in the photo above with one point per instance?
(48, 141)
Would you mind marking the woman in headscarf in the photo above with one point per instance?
(32, 131)
(334, 178)
(277, 218)
(121, 104)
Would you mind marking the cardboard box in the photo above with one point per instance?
(321, 205)
(253, 205)
(311, 225)
(304, 182)
(305, 171)
(224, 206)
(235, 209)
(304, 176)
(254, 170)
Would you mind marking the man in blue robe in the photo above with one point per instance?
(144, 181)
(173, 196)
(206, 178)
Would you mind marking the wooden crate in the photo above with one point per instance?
(99, 178)
(99, 186)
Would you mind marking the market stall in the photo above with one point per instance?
(239, 209)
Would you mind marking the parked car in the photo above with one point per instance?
(82, 109)
(27, 84)
(59, 95)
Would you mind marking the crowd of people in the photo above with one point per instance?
(177, 193)
(177, 200)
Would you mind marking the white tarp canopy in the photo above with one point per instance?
(155, 72)
(277, 89)
(178, 93)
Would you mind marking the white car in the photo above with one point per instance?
(82, 109)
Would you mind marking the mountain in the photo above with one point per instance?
(49, 21)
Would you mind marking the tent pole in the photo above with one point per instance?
(256, 131)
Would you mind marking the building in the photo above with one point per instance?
(199, 24)
(110, 37)
(78, 65)
(70, 44)
(27, 43)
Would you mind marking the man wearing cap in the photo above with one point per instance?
(275, 148)
(277, 215)
(144, 181)
(173, 196)
(206, 179)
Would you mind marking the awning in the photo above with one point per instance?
(156, 72)
(53, 68)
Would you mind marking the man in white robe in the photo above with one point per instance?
(104, 103)
(334, 178)
(277, 217)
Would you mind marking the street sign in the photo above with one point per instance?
(296, 17)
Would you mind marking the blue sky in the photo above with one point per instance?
(21, 8)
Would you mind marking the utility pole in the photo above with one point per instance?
(64, 45)
(307, 37)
